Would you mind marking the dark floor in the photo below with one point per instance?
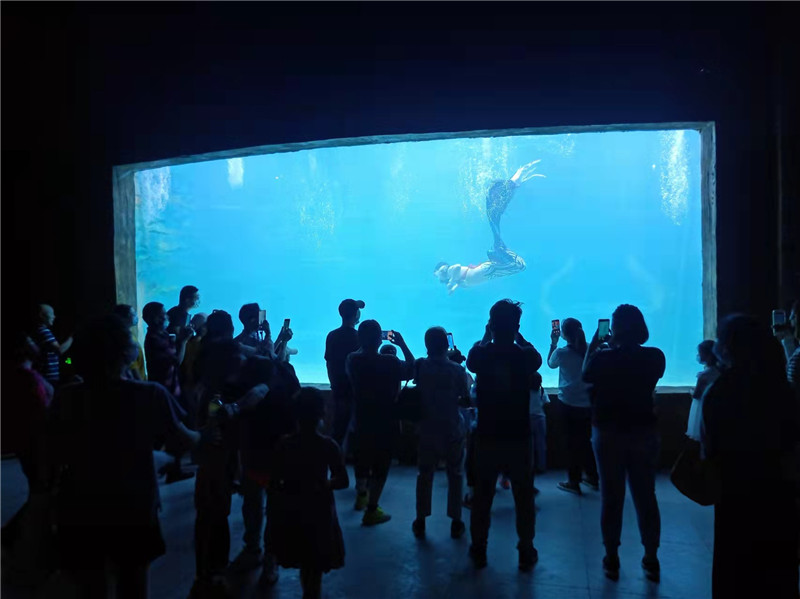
(388, 562)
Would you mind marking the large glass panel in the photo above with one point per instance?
(601, 219)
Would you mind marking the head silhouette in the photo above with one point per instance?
(126, 313)
(103, 348)
(198, 322)
(628, 326)
(369, 335)
(705, 353)
(436, 342)
(572, 331)
(248, 316)
(154, 315)
(504, 318)
(745, 344)
(219, 326)
(388, 350)
(189, 297)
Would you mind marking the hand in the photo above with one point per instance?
(595, 342)
(397, 339)
(186, 333)
(455, 355)
(555, 336)
(487, 332)
(285, 335)
(781, 331)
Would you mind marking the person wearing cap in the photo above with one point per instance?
(338, 345)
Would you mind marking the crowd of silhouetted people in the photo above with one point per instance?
(94, 443)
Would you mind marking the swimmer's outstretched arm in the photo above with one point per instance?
(526, 172)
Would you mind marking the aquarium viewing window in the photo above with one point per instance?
(432, 230)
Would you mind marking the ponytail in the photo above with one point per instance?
(574, 330)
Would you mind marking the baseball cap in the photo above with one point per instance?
(349, 306)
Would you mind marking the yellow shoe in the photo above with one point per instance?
(377, 516)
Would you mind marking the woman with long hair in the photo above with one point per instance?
(624, 436)
(576, 408)
(749, 431)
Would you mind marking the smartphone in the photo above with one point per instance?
(385, 335)
(450, 343)
(603, 327)
(556, 325)
(262, 316)
(286, 322)
(778, 317)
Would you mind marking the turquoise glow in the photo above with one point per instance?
(615, 219)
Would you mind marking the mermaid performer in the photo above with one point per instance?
(502, 261)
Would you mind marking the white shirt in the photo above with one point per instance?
(571, 389)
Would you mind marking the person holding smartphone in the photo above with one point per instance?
(443, 387)
(505, 365)
(573, 398)
(624, 435)
(374, 379)
(164, 353)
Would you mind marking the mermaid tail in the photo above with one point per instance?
(497, 200)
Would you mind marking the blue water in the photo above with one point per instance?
(616, 219)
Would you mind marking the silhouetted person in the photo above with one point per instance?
(710, 372)
(193, 347)
(223, 397)
(443, 387)
(574, 403)
(309, 466)
(178, 316)
(749, 433)
(538, 399)
(502, 261)
(255, 337)
(789, 336)
(164, 355)
(50, 350)
(104, 429)
(338, 345)
(375, 379)
(128, 315)
(261, 431)
(503, 371)
(624, 435)
(26, 395)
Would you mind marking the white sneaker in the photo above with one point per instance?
(247, 560)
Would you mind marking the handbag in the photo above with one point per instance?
(696, 478)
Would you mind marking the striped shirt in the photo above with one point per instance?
(49, 360)
(793, 369)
